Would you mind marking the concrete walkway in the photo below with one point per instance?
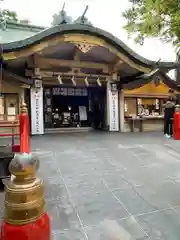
(102, 186)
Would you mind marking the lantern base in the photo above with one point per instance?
(38, 230)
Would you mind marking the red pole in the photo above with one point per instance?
(25, 217)
(176, 126)
(24, 130)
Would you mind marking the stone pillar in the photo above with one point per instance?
(121, 110)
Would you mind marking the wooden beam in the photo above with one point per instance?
(45, 63)
(116, 66)
(71, 74)
(77, 54)
(53, 83)
(77, 79)
(33, 61)
(45, 74)
(25, 86)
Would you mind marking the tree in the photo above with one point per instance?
(154, 18)
(8, 15)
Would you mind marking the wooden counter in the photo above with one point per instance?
(143, 124)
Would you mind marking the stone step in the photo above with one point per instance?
(67, 130)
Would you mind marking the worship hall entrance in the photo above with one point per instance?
(74, 107)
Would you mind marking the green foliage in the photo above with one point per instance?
(9, 15)
(154, 18)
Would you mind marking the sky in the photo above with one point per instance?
(102, 14)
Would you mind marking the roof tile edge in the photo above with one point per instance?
(14, 25)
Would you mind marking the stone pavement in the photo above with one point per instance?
(102, 186)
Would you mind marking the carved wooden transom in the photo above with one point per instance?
(84, 47)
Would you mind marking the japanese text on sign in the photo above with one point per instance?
(70, 91)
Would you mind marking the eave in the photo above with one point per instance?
(17, 78)
(143, 79)
(89, 30)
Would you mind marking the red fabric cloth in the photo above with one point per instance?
(39, 230)
(24, 133)
(176, 127)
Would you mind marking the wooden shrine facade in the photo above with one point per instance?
(82, 58)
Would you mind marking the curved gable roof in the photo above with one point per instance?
(89, 30)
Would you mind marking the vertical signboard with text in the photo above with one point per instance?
(37, 121)
(114, 111)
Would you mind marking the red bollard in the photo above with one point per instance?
(25, 217)
(24, 130)
(176, 125)
(36, 231)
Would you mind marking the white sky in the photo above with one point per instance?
(103, 14)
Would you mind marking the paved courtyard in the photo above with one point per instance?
(102, 186)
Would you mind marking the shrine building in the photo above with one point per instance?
(76, 77)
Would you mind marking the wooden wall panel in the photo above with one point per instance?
(130, 103)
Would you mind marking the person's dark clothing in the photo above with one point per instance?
(168, 117)
(168, 126)
(169, 110)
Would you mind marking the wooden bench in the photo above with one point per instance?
(133, 122)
